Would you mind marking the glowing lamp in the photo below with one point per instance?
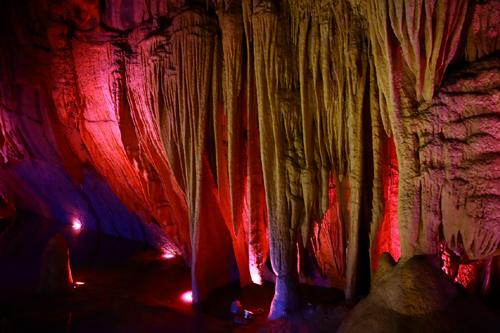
(168, 255)
(78, 284)
(187, 296)
(77, 225)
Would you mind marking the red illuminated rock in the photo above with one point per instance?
(315, 134)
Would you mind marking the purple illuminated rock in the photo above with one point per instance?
(236, 308)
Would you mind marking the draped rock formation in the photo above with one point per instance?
(312, 135)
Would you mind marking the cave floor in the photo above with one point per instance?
(128, 287)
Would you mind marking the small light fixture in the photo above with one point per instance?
(78, 284)
(187, 296)
(168, 255)
(77, 225)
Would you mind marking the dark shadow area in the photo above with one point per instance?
(129, 286)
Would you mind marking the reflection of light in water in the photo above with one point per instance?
(68, 324)
(187, 296)
(77, 225)
(168, 255)
(78, 284)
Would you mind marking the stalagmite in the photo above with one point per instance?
(315, 134)
(55, 271)
(258, 240)
(281, 233)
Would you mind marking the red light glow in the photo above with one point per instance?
(187, 296)
(168, 255)
(78, 284)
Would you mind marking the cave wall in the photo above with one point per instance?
(318, 134)
(39, 168)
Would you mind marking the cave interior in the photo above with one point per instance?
(329, 164)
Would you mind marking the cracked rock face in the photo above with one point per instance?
(315, 134)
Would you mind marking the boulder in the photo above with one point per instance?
(416, 296)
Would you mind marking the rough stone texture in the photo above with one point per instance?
(385, 263)
(416, 296)
(316, 133)
(464, 143)
(45, 166)
(55, 270)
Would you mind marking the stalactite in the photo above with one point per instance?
(385, 236)
(100, 115)
(308, 174)
(222, 133)
(481, 36)
(193, 41)
(338, 121)
(147, 104)
(415, 55)
(321, 155)
(356, 82)
(243, 129)
(378, 206)
(328, 243)
(272, 139)
(466, 145)
(231, 23)
(67, 102)
(258, 242)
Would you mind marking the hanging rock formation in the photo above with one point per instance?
(316, 134)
